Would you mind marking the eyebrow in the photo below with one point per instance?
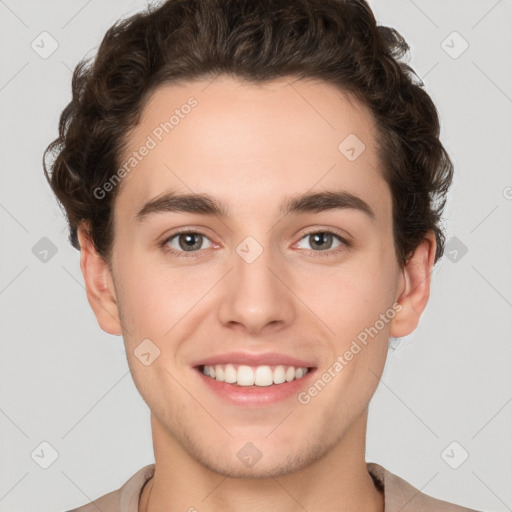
(205, 204)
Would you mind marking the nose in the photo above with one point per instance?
(255, 295)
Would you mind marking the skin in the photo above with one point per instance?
(252, 146)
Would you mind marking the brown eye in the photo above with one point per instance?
(186, 241)
(321, 241)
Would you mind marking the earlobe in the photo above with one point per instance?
(98, 284)
(415, 289)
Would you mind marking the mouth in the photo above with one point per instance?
(254, 376)
(251, 379)
(246, 386)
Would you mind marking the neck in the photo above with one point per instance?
(337, 482)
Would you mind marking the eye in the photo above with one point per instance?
(322, 242)
(184, 241)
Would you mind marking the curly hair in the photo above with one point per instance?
(337, 41)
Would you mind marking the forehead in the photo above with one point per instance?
(251, 144)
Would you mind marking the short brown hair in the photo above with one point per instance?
(337, 41)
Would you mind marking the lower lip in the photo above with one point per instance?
(256, 396)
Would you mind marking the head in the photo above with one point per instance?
(249, 107)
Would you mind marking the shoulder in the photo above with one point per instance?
(124, 499)
(400, 495)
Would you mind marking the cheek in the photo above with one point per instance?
(347, 298)
(355, 302)
(155, 297)
(351, 297)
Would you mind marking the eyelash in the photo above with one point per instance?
(191, 254)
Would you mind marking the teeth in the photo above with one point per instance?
(263, 376)
(279, 374)
(219, 372)
(229, 374)
(244, 375)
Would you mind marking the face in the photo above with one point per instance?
(251, 283)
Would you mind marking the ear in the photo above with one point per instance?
(414, 289)
(98, 283)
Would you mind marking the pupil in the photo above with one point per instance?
(189, 238)
(319, 239)
(322, 236)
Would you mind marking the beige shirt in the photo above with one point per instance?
(399, 496)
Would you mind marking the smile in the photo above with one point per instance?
(244, 375)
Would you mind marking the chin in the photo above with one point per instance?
(257, 460)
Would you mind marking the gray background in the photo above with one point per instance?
(65, 382)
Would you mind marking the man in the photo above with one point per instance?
(255, 188)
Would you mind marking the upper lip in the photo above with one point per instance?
(252, 359)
